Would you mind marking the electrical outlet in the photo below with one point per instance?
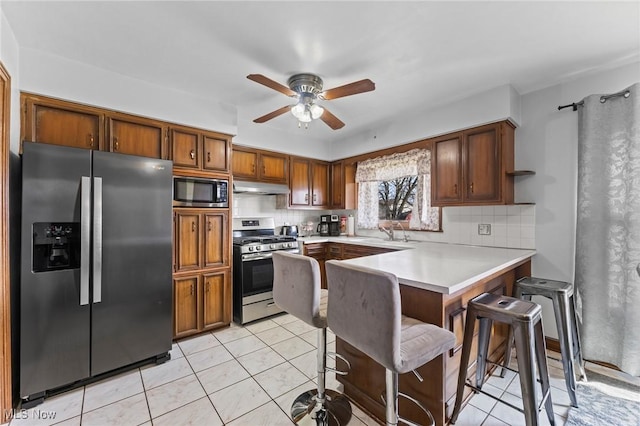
(484, 229)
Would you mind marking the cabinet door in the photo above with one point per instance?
(482, 165)
(244, 164)
(320, 189)
(447, 171)
(185, 310)
(215, 153)
(216, 302)
(299, 182)
(185, 148)
(62, 125)
(187, 241)
(136, 137)
(337, 185)
(216, 239)
(273, 167)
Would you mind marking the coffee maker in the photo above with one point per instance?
(323, 226)
(334, 225)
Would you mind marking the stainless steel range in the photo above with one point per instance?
(254, 241)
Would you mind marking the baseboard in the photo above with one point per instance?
(552, 344)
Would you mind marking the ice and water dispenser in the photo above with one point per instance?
(56, 246)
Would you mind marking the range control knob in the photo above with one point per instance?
(258, 248)
(250, 248)
(272, 246)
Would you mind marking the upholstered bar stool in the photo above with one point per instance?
(525, 318)
(561, 294)
(296, 289)
(364, 310)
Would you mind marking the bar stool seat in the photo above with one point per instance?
(365, 311)
(525, 318)
(296, 289)
(561, 295)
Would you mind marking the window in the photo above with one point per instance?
(397, 187)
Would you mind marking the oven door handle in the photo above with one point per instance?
(262, 256)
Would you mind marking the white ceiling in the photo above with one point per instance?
(417, 53)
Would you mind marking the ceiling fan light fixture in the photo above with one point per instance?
(316, 111)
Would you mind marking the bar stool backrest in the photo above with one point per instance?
(364, 310)
(296, 287)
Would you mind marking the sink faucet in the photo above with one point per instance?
(405, 238)
(389, 231)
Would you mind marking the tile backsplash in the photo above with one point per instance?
(512, 226)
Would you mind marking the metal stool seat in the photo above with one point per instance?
(296, 289)
(365, 311)
(561, 294)
(525, 318)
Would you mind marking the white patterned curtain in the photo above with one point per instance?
(370, 173)
(607, 274)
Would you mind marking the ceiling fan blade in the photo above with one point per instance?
(272, 114)
(354, 88)
(331, 120)
(265, 81)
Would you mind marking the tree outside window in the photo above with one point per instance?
(396, 198)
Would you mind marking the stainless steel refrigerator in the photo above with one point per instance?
(96, 289)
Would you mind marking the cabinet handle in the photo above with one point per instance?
(206, 287)
(116, 144)
(208, 157)
(209, 225)
(471, 187)
(193, 227)
(314, 198)
(253, 168)
(264, 170)
(192, 154)
(306, 197)
(191, 289)
(90, 140)
(455, 188)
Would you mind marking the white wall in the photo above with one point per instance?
(10, 59)
(547, 142)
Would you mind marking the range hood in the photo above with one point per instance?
(259, 188)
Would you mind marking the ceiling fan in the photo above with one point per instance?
(307, 89)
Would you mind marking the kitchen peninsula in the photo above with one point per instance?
(436, 282)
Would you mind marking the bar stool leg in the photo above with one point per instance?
(563, 320)
(469, 327)
(577, 347)
(483, 349)
(543, 371)
(391, 390)
(523, 333)
(517, 293)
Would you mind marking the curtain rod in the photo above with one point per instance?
(603, 99)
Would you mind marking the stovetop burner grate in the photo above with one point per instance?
(263, 239)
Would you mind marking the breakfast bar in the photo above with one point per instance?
(436, 282)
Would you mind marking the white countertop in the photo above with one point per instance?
(440, 267)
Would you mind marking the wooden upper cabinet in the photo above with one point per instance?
(137, 136)
(244, 163)
(470, 167)
(299, 182)
(319, 184)
(61, 123)
(254, 164)
(337, 185)
(200, 150)
(273, 167)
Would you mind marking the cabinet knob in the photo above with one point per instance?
(314, 198)
(90, 140)
(192, 154)
(193, 227)
(209, 226)
(253, 168)
(455, 188)
(471, 187)
(206, 287)
(264, 170)
(208, 157)
(306, 198)
(191, 289)
(116, 144)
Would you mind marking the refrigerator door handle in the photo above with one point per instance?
(97, 239)
(85, 238)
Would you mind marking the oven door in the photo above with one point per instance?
(257, 273)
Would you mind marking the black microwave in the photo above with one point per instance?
(200, 192)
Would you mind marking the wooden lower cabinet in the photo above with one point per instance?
(366, 379)
(201, 302)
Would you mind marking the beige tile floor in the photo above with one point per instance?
(244, 376)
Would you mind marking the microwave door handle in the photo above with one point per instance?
(85, 238)
(97, 240)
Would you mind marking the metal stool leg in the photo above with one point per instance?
(321, 406)
(483, 349)
(523, 332)
(577, 347)
(543, 371)
(464, 362)
(562, 312)
(517, 293)
(391, 403)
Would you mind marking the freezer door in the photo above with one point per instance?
(132, 287)
(54, 321)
